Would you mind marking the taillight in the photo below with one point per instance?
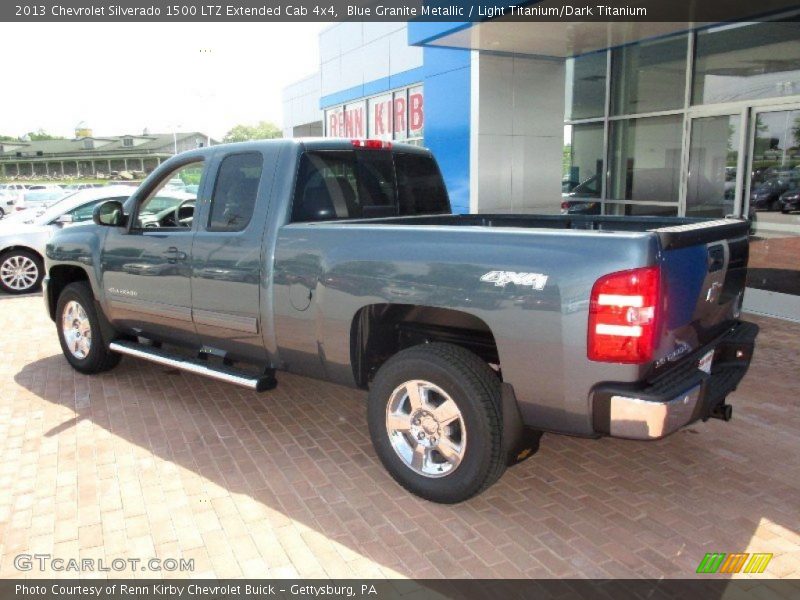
(624, 316)
(372, 144)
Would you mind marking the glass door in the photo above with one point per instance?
(715, 163)
(773, 194)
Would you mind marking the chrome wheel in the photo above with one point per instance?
(19, 273)
(76, 329)
(426, 428)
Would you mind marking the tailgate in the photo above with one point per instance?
(704, 268)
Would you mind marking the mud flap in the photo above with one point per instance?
(519, 442)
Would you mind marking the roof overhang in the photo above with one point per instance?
(566, 38)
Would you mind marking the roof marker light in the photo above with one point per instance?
(372, 144)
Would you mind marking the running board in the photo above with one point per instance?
(259, 384)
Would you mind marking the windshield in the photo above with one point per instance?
(39, 197)
(55, 209)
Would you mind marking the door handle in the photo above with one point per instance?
(174, 254)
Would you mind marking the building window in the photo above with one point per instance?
(713, 163)
(586, 86)
(649, 77)
(646, 159)
(381, 117)
(641, 210)
(395, 115)
(88, 144)
(127, 142)
(583, 160)
(745, 62)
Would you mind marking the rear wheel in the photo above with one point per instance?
(79, 331)
(21, 271)
(434, 420)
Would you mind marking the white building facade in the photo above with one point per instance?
(585, 118)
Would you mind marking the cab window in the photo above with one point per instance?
(354, 184)
(172, 203)
(336, 184)
(235, 192)
(420, 188)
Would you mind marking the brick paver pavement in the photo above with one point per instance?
(146, 462)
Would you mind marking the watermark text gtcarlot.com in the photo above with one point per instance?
(48, 562)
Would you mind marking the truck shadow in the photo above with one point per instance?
(579, 508)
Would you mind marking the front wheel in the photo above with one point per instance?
(79, 331)
(434, 419)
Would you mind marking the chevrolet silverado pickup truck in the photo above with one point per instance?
(341, 260)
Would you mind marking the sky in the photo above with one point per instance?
(120, 78)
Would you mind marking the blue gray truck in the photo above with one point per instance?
(474, 334)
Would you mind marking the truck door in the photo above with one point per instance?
(146, 268)
(226, 258)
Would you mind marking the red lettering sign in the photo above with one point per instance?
(380, 119)
(416, 118)
(333, 125)
(355, 122)
(399, 115)
(393, 115)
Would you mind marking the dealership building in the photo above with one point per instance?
(623, 118)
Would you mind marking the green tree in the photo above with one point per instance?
(265, 130)
(40, 135)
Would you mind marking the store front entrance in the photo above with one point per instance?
(773, 192)
(746, 161)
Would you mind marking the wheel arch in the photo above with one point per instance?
(16, 247)
(379, 331)
(60, 276)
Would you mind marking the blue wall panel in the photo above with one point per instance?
(372, 88)
(447, 118)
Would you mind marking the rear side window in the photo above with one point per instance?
(235, 192)
(420, 188)
(335, 184)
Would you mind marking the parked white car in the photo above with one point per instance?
(7, 202)
(41, 197)
(10, 196)
(23, 236)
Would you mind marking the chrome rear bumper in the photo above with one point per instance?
(638, 419)
(649, 410)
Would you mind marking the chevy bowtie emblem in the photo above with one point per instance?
(713, 292)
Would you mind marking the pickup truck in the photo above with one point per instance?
(341, 260)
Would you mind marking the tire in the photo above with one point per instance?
(21, 271)
(473, 440)
(76, 312)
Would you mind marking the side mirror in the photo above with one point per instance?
(109, 214)
(65, 219)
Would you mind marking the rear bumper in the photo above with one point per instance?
(653, 409)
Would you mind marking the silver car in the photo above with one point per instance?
(23, 235)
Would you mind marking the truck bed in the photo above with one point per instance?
(673, 232)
